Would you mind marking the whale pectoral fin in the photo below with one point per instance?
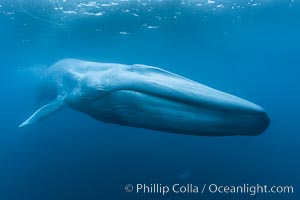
(44, 111)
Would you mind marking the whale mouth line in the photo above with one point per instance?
(160, 96)
(158, 106)
(183, 99)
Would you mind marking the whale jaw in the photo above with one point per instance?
(137, 109)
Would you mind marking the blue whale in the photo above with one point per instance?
(149, 97)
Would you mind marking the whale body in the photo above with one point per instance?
(149, 97)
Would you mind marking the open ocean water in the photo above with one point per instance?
(247, 48)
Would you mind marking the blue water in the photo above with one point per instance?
(246, 48)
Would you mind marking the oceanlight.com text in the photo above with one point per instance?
(248, 189)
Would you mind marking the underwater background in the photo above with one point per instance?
(247, 48)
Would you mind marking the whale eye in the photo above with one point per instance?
(132, 69)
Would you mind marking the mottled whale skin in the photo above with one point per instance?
(149, 97)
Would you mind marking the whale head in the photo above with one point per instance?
(151, 98)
